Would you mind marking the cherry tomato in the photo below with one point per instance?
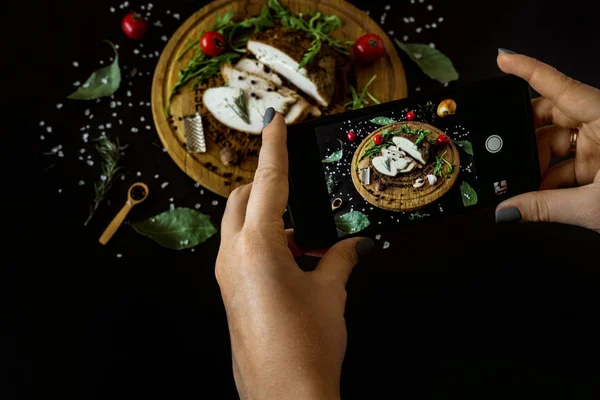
(368, 48)
(443, 139)
(134, 26)
(378, 139)
(212, 43)
(351, 136)
(410, 115)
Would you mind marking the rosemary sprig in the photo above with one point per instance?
(111, 155)
(440, 162)
(358, 99)
(240, 107)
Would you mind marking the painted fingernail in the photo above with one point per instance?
(269, 115)
(507, 51)
(509, 214)
(364, 247)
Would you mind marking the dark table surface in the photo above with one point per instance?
(485, 304)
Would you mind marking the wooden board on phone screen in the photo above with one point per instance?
(404, 197)
(206, 168)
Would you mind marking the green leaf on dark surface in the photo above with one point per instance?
(466, 146)
(431, 61)
(102, 82)
(382, 121)
(336, 155)
(178, 229)
(352, 222)
(469, 196)
(332, 184)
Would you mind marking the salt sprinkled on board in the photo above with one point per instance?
(171, 206)
(142, 119)
(119, 255)
(386, 245)
(164, 38)
(136, 51)
(156, 176)
(377, 237)
(148, 127)
(75, 64)
(201, 192)
(122, 177)
(76, 83)
(382, 18)
(411, 19)
(441, 19)
(59, 106)
(387, 7)
(112, 10)
(85, 137)
(42, 137)
(89, 162)
(108, 126)
(158, 23)
(405, 38)
(197, 206)
(134, 130)
(103, 178)
(82, 150)
(81, 183)
(429, 7)
(42, 123)
(49, 129)
(138, 173)
(215, 203)
(418, 30)
(432, 45)
(176, 16)
(129, 93)
(434, 25)
(59, 190)
(406, 20)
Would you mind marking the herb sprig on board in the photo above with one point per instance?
(111, 155)
(315, 25)
(440, 163)
(240, 108)
(359, 100)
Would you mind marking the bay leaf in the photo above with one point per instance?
(102, 82)
(336, 155)
(382, 121)
(332, 183)
(352, 222)
(468, 194)
(465, 145)
(178, 229)
(431, 61)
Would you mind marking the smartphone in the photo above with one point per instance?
(410, 161)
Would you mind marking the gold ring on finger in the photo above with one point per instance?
(573, 140)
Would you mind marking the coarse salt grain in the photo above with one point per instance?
(112, 10)
(387, 7)
(441, 19)
(171, 199)
(104, 80)
(197, 206)
(377, 237)
(129, 93)
(134, 130)
(75, 64)
(176, 16)
(386, 245)
(59, 190)
(432, 45)
(156, 176)
(61, 154)
(196, 185)
(434, 25)
(215, 203)
(430, 7)
(138, 173)
(114, 115)
(142, 119)
(85, 85)
(201, 191)
(119, 255)
(85, 137)
(42, 137)
(89, 162)
(148, 127)
(122, 177)
(101, 127)
(81, 183)
(158, 23)
(103, 178)
(164, 150)
(49, 129)
(59, 106)
(82, 150)
(136, 51)
(42, 123)
(76, 83)
(108, 126)
(405, 38)
(171, 207)
(164, 38)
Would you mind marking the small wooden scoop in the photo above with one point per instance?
(140, 195)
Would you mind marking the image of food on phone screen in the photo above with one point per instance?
(400, 165)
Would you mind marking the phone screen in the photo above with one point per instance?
(412, 161)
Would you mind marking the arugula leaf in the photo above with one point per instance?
(466, 146)
(382, 121)
(469, 196)
(181, 228)
(352, 222)
(431, 61)
(332, 184)
(358, 100)
(102, 82)
(336, 155)
(422, 134)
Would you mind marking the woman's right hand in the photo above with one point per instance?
(570, 190)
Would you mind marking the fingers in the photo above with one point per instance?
(562, 175)
(569, 96)
(297, 251)
(235, 211)
(552, 141)
(270, 189)
(576, 206)
(545, 112)
(337, 264)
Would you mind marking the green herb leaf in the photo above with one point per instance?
(469, 196)
(359, 99)
(466, 146)
(352, 222)
(431, 61)
(240, 107)
(102, 82)
(332, 184)
(336, 155)
(181, 228)
(382, 121)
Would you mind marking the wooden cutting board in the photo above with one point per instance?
(207, 168)
(401, 195)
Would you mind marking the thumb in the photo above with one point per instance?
(577, 206)
(340, 259)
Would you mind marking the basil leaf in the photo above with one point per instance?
(181, 228)
(469, 196)
(352, 222)
(336, 155)
(382, 121)
(466, 146)
(431, 61)
(101, 83)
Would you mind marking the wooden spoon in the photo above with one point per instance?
(131, 201)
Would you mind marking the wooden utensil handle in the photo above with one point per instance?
(115, 224)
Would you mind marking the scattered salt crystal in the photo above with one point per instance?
(130, 104)
(158, 23)
(142, 119)
(104, 80)
(134, 130)
(101, 62)
(119, 104)
(197, 206)
(80, 158)
(90, 162)
(164, 150)
(103, 178)
(411, 19)
(382, 19)
(49, 129)
(59, 190)
(434, 25)
(85, 137)
(114, 115)
(42, 137)
(112, 10)
(148, 127)
(156, 53)
(75, 64)
(215, 202)
(150, 6)
(59, 106)
(141, 44)
(429, 7)
(418, 30)
(139, 173)
(192, 250)
(406, 20)
(386, 245)
(387, 7)
(91, 116)
(150, 55)
(201, 191)
(126, 4)
(129, 93)
(82, 150)
(141, 103)
(421, 1)
(85, 85)
(144, 56)
(168, 12)
(61, 154)
(391, 33)
(171, 206)
(441, 19)
(418, 89)
(81, 183)
(171, 199)
(156, 176)
(101, 127)
(176, 16)
(42, 123)
(76, 83)
(119, 255)
(418, 56)
(120, 122)
(164, 38)
(136, 51)
(122, 177)
(432, 45)
(148, 104)
(143, 7)
(405, 38)
(427, 26)
(89, 156)
(377, 237)
(108, 126)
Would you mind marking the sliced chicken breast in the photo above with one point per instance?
(244, 80)
(406, 143)
(257, 68)
(220, 102)
(283, 51)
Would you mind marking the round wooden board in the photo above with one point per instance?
(403, 196)
(207, 168)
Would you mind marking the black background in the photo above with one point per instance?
(474, 304)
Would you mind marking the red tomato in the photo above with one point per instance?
(368, 48)
(212, 43)
(134, 26)
(351, 136)
(410, 115)
(443, 139)
(378, 139)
